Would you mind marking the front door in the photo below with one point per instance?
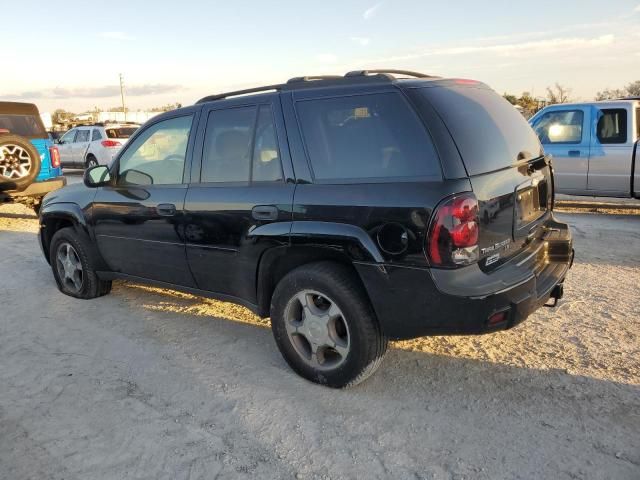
(138, 220)
(65, 148)
(239, 188)
(80, 147)
(565, 135)
(611, 152)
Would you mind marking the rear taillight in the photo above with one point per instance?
(110, 143)
(55, 157)
(453, 233)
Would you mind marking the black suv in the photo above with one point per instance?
(351, 210)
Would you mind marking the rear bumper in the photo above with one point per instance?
(414, 302)
(40, 188)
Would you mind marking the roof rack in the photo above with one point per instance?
(364, 75)
(312, 78)
(388, 72)
(235, 93)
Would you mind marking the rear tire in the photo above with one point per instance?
(73, 264)
(325, 327)
(19, 162)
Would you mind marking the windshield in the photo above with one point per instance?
(122, 132)
(488, 131)
(29, 126)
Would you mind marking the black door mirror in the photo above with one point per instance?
(97, 176)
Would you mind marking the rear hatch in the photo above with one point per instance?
(509, 173)
(120, 133)
(23, 119)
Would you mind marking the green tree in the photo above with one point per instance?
(512, 99)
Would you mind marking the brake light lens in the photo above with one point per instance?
(54, 153)
(453, 234)
(110, 143)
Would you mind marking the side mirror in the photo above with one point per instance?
(97, 176)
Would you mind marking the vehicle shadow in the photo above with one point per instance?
(419, 402)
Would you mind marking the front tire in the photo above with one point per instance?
(325, 327)
(73, 265)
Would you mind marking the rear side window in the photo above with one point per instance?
(96, 135)
(124, 132)
(29, 126)
(366, 137)
(638, 123)
(488, 131)
(240, 146)
(564, 126)
(612, 126)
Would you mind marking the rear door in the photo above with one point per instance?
(565, 135)
(243, 182)
(611, 151)
(139, 220)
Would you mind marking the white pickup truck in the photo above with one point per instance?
(594, 146)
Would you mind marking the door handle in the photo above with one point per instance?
(166, 209)
(264, 212)
(574, 153)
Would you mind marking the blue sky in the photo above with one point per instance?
(71, 52)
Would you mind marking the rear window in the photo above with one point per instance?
(489, 132)
(29, 126)
(375, 136)
(123, 132)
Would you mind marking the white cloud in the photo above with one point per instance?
(362, 41)
(370, 12)
(116, 36)
(637, 9)
(326, 58)
(540, 46)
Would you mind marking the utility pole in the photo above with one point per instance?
(124, 109)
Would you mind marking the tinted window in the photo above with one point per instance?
(612, 126)
(157, 155)
(28, 126)
(96, 135)
(124, 132)
(366, 136)
(266, 156)
(564, 126)
(83, 136)
(227, 145)
(489, 132)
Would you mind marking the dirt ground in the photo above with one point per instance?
(149, 383)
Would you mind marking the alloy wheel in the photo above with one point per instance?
(15, 161)
(317, 330)
(69, 267)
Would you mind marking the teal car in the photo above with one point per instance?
(29, 162)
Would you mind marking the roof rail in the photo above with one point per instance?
(390, 72)
(235, 93)
(311, 78)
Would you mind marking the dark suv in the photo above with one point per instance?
(351, 210)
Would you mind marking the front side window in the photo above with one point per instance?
(68, 137)
(157, 156)
(241, 148)
(96, 135)
(366, 137)
(612, 126)
(560, 127)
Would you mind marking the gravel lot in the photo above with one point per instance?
(149, 383)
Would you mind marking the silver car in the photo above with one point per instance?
(594, 146)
